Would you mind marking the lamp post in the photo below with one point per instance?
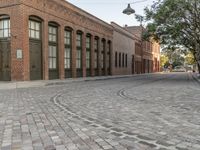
(129, 11)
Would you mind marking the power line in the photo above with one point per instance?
(141, 1)
(109, 3)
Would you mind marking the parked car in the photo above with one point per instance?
(189, 69)
(179, 69)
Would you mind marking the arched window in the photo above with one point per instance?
(103, 53)
(34, 29)
(53, 31)
(96, 55)
(88, 51)
(116, 61)
(96, 49)
(4, 26)
(79, 50)
(35, 48)
(68, 48)
(53, 50)
(108, 56)
(5, 48)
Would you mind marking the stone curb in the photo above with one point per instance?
(43, 83)
(196, 77)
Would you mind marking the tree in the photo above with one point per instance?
(164, 60)
(189, 59)
(177, 60)
(175, 24)
(175, 57)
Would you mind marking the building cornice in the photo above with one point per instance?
(85, 13)
(9, 3)
(67, 12)
(121, 30)
(70, 13)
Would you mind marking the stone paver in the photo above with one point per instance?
(148, 112)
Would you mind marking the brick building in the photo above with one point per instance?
(147, 52)
(53, 39)
(123, 50)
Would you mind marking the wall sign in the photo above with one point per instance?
(19, 54)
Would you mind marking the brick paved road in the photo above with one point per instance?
(147, 112)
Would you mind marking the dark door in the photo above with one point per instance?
(68, 73)
(35, 60)
(79, 73)
(144, 66)
(133, 64)
(5, 67)
(88, 72)
(103, 64)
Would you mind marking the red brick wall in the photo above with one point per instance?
(60, 12)
(67, 15)
(124, 43)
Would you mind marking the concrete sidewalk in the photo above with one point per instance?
(196, 77)
(42, 83)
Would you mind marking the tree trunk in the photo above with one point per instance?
(198, 67)
(197, 56)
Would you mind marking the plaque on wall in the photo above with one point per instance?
(19, 54)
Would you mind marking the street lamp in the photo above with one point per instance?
(129, 10)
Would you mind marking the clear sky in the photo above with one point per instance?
(111, 10)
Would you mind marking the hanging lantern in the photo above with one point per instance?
(129, 10)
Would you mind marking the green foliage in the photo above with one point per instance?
(164, 60)
(175, 24)
(189, 59)
(178, 60)
(139, 18)
(175, 56)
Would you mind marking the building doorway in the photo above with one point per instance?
(53, 51)
(133, 64)
(5, 61)
(68, 53)
(5, 50)
(35, 48)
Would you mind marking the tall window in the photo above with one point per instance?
(68, 48)
(52, 57)
(4, 28)
(123, 60)
(126, 60)
(78, 50)
(116, 59)
(53, 34)
(34, 29)
(88, 50)
(102, 54)
(96, 53)
(108, 55)
(53, 47)
(119, 59)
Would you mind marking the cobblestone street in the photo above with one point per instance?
(144, 112)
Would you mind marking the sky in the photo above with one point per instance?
(111, 10)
